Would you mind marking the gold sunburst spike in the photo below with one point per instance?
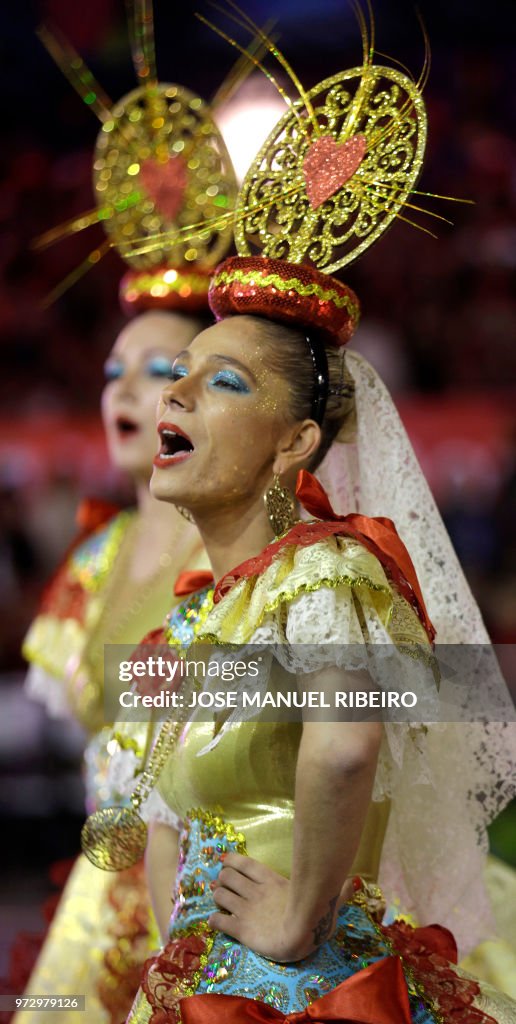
(257, 63)
(405, 204)
(79, 75)
(436, 195)
(368, 35)
(83, 221)
(140, 246)
(361, 95)
(140, 16)
(76, 71)
(242, 68)
(94, 257)
(414, 224)
(420, 84)
(246, 22)
(427, 56)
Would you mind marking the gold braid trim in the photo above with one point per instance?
(201, 928)
(287, 597)
(217, 826)
(289, 284)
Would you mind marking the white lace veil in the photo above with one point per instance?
(447, 782)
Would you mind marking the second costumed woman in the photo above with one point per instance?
(159, 162)
(286, 827)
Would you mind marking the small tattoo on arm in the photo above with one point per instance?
(323, 927)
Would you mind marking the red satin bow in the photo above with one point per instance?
(376, 995)
(93, 512)
(189, 581)
(377, 534)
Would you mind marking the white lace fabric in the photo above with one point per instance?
(447, 785)
(124, 766)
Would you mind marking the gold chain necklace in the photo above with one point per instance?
(114, 838)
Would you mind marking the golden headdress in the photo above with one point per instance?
(160, 163)
(331, 177)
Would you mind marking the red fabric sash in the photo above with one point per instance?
(377, 534)
(190, 581)
(93, 512)
(375, 995)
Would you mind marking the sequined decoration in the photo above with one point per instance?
(161, 164)
(279, 505)
(92, 561)
(290, 293)
(186, 619)
(325, 200)
(222, 965)
(198, 960)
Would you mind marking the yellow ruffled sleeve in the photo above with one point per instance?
(331, 592)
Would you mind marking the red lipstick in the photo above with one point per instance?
(175, 446)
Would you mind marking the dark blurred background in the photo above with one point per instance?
(439, 323)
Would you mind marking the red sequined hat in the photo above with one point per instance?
(182, 289)
(291, 293)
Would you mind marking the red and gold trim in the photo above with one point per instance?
(181, 289)
(291, 293)
(377, 534)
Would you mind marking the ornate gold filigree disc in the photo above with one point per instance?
(161, 164)
(275, 215)
(114, 838)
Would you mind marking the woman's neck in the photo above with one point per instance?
(162, 537)
(231, 537)
(150, 509)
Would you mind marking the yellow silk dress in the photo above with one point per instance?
(232, 786)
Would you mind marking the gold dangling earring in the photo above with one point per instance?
(279, 505)
(185, 513)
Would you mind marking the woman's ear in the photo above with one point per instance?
(296, 447)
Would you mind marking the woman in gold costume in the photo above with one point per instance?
(113, 585)
(287, 826)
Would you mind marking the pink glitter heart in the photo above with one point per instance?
(328, 166)
(165, 183)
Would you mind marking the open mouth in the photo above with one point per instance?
(126, 427)
(175, 445)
